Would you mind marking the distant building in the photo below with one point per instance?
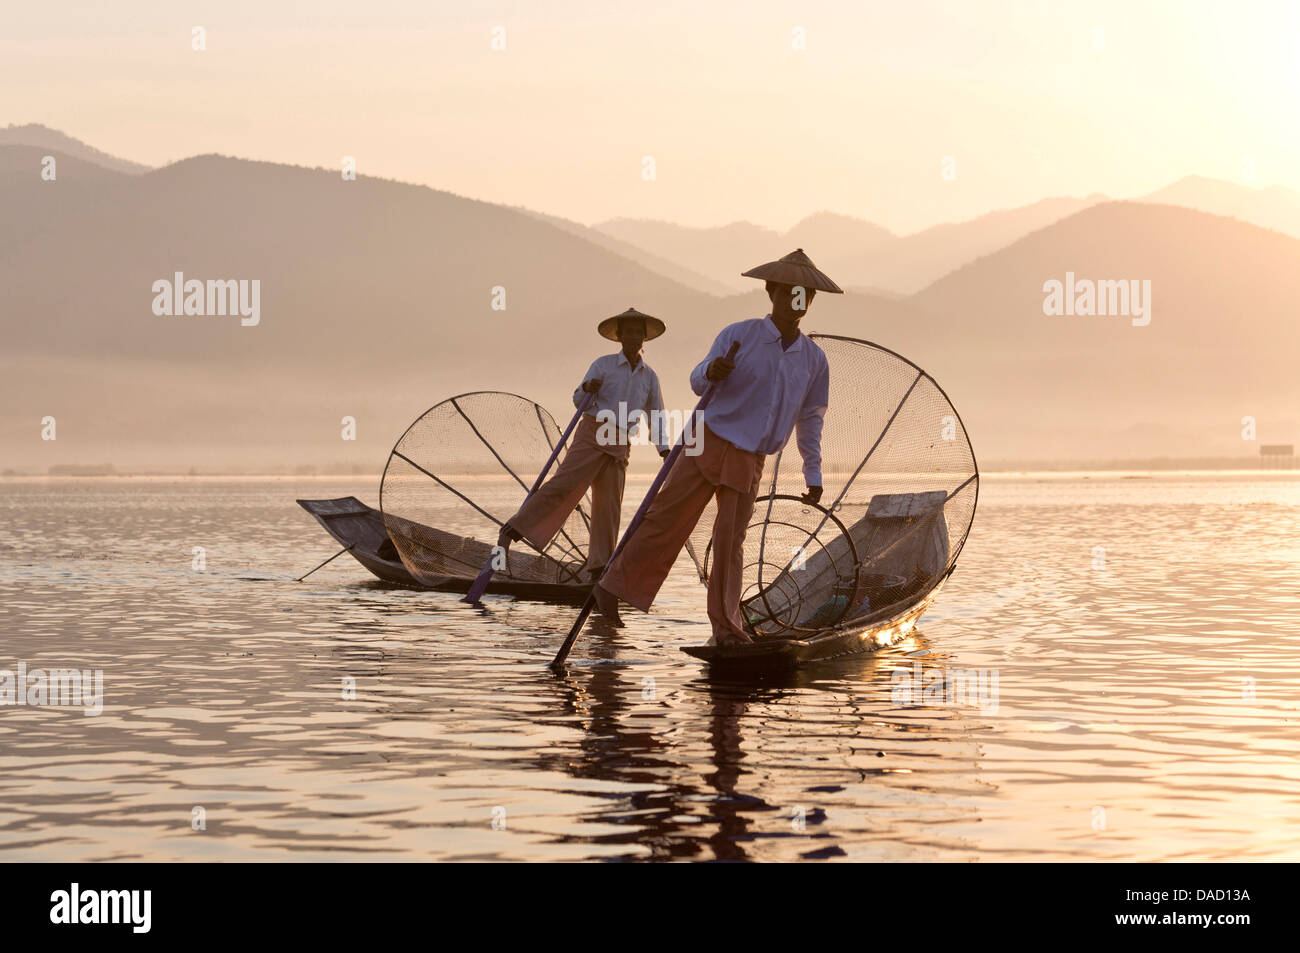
(1277, 456)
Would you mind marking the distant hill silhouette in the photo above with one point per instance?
(34, 134)
(911, 262)
(663, 266)
(33, 205)
(1274, 207)
(377, 302)
(1222, 342)
(721, 252)
(852, 251)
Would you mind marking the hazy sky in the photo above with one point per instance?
(1030, 98)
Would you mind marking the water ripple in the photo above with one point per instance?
(1143, 636)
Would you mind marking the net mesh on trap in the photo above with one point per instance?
(458, 473)
(899, 489)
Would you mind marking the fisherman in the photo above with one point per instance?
(625, 389)
(779, 383)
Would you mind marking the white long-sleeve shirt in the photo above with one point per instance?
(771, 392)
(636, 388)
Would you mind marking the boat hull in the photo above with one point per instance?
(358, 526)
(787, 653)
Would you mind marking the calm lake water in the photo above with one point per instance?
(1144, 635)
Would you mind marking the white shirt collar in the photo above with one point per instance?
(774, 333)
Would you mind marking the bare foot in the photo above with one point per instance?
(607, 603)
(730, 639)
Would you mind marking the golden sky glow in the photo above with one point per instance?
(1031, 99)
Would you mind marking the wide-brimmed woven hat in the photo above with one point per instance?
(795, 268)
(609, 327)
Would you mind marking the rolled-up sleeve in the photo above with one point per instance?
(808, 427)
(593, 371)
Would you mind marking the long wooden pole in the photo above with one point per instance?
(485, 575)
(557, 664)
(327, 562)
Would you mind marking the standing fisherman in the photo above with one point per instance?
(779, 383)
(625, 388)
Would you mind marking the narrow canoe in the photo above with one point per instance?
(361, 527)
(785, 653)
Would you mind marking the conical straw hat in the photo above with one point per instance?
(795, 268)
(609, 327)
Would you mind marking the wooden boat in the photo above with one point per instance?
(791, 651)
(855, 570)
(361, 528)
(906, 562)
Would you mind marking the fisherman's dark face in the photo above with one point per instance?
(631, 332)
(789, 303)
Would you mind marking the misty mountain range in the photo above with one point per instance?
(377, 302)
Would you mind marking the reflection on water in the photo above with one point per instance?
(1143, 634)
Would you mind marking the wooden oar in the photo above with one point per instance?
(485, 575)
(557, 664)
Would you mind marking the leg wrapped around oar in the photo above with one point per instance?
(587, 465)
(639, 570)
(723, 471)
